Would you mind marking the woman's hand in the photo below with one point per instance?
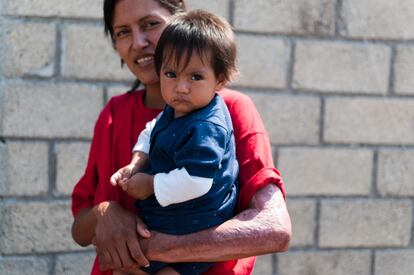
(116, 237)
(130, 271)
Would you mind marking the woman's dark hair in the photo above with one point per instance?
(174, 6)
(199, 32)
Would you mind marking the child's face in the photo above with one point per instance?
(190, 88)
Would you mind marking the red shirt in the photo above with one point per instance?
(116, 132)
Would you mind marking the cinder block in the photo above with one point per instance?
(404, 71)
(24, 169)
(219, 7)
(341, 67)
(71, 163)
(262, 61)
(396, 262)
(36, 227)
(381, 19)
(49, 110)
(24, 265)
(339, 172)
(324, 263)
(302, 214)
(55, 8)
(289, 120)
(285, 16)
(264, 265)
(365, 223)
(75, 264)
(87, 54)
(27, 49)
(396, 173)
(369, 120)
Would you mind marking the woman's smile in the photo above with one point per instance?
(144, 61)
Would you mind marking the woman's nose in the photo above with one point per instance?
(139, 40)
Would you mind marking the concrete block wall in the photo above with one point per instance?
(332, 79)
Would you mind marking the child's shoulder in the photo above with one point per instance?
(214, 115)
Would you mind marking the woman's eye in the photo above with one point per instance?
(196, 77)
(121, 33)
(151, 24)
(170, 74)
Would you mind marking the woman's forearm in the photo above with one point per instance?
(85, 222)
(263, 228)
(83, 227)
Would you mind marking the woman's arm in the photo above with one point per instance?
(114, 231)
(262, 228)
(107, 224)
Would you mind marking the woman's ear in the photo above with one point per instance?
(221, 82)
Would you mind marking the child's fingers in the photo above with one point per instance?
(114, 179)
(123, 184)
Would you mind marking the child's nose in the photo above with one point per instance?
(182, 87)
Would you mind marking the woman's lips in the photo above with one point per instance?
(144, 61)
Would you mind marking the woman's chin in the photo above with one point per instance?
(147, 78)
(154, 81)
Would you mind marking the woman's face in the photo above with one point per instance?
(137, 26)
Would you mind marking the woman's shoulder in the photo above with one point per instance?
(231, 95)
(236, 100)
(121, 99)
(119, 105)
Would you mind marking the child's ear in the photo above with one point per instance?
(221, 82)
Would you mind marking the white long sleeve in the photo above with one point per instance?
(143, 142)
(179, 186)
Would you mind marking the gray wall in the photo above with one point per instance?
(332, 79)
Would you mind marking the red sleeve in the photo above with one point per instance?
(253, 149)
(83, 195)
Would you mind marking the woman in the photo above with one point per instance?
(105, 215)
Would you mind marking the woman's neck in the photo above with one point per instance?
(153, 98)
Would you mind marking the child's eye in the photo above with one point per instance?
(170, 74)
(196, 77)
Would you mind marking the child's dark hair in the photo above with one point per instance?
(199, 32)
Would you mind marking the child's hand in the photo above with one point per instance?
(140, 186)
(122, 175)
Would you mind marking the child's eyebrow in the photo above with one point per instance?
(198, 70)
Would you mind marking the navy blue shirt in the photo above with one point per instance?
(203, 143)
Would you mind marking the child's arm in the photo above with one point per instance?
(139, 158)
(140, 186)
(165, 186)
(199, 157)
(139, 161)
